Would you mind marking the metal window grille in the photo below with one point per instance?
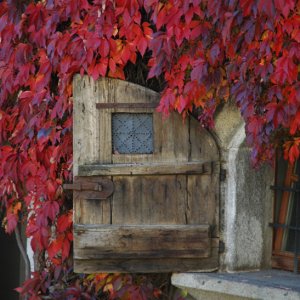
(132, 133)
(287, 211)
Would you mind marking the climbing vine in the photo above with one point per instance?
(204, 52)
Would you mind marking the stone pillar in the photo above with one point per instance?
(246, 199)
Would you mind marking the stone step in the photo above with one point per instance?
(267, 285)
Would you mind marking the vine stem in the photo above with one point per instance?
(23, 253)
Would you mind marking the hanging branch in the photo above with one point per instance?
(23, 253)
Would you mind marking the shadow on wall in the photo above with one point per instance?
(9, 266)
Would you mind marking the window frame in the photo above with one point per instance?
(282, 259)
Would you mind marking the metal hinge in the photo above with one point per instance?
(223, 174)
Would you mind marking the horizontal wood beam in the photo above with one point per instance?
(145, 169)
(141, 241)
(154, 265)
(126, 105)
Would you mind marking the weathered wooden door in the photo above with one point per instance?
(146, 190)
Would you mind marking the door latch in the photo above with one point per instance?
(91, 188)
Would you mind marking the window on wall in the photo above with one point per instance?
(286, 242)
(132, 133)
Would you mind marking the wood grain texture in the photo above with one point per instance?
(154, 265)
(145, 169)
(202, 201)
(126, 105)
(149, 200)
(177, 185)
(142, 241)
(202, 144)
(91, 211)
(85, 122)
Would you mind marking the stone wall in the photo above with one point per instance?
(246, 198)
(246, 209)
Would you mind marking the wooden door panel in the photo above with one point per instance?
(149, 199)
(91, 199)
(91, 211)
(163, 213)
(202, 199)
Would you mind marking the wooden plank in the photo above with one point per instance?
(214, 200)
(105, 126)
(128, 92)
(202, 143)
(145, 169)
(155, 265)
(158, 129)
(202, 200)
(136, 158)
(88, 206)
(85, 122)
(91, 211)
(174, 133)
(126, 105)
(98, 253)
(148, 241)
(203, 191)
(149, 199)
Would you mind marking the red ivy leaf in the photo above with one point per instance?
(51, 209)
(142, 45)
(284, 6)
(12, 221)
(64, 222)
(266, 6)
(286, 70)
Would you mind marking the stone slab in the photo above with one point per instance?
(269, 284)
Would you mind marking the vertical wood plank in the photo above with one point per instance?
(201, 203)
(203, 200)
(203, 146)
(157, 136)
(85, 122)
(105, 91)
(149, 200)
(203, 190)
(174, 139)
(91, 211)
(126, 92)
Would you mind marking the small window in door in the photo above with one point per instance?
(132, 133)
(286, 245)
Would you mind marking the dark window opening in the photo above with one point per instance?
(11, 267)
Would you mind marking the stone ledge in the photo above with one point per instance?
(269, 284)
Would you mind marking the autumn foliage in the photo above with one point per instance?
(206, 51)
